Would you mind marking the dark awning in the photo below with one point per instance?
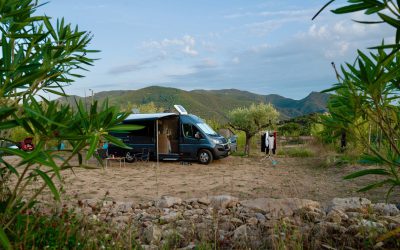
(149, 117)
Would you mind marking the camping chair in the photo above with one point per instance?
(144, 156)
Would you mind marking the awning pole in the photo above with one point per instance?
(157, 156)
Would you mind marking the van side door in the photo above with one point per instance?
(191, 141)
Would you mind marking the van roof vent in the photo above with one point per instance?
(181, 110)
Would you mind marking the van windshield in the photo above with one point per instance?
(206, 129)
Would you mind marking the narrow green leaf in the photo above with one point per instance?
(49, 183)
(368, 22)
(352, 8)
(125, 127)
(374, 185)
(332, 89)
(4, 239)
(375, 9)
(55, 92)
(94, 143)
(393, 22)
(326, 5)
(8, 124)
(378, 171)
(116, 141)
(50, 28)
(9, 166)
(34, 113)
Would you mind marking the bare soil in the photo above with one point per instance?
(241, 177)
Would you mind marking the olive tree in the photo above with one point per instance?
(252, 120)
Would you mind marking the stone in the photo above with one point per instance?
(121, 219)
(125, 207)
(279, 208)
(152, 234)
(90, 203)
(223, 201)
(168, 233)
(226, 226)
(87, 210)
(204, 231)
(188, 213)
(352, 204)
(198, 211)
(153, 210)
(236, 221)
(386, 209)
(167, 201)
(371, 224)
(108, 204)
(329, 228)
(260, 217)
(191, 200)
(171, 217)
(252, 221)
(240, 233)
(336, 216)
(189, 247)
(149, 247)
(393, 219)
(204, 201)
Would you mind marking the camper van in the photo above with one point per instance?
(171, 136)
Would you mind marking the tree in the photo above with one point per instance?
(252, 120)
(37, 58)
(368, 91)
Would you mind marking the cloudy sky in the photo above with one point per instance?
(265, 47)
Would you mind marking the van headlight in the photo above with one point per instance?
(216, 141)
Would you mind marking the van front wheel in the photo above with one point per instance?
(205, 157)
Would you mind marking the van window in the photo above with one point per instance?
(189, 130)
(206, 129)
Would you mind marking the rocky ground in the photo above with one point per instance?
(225, 222)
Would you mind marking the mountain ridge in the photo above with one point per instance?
(211, 104)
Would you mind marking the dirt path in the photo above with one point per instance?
(241, 177)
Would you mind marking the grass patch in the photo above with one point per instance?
(295, 152)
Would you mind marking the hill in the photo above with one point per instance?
(212, 104)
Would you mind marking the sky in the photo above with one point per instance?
(265, 47)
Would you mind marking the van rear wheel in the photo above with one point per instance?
(130, 157)
(205, 157)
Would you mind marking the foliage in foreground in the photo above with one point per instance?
(367, 95)
(38, 57)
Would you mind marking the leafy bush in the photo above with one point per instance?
(39, 57)
(367, 96)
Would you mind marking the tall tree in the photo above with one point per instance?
(252, 120)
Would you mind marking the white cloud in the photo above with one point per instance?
(319, 32)
(186, 44)
(236, 60)
(260, 48)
